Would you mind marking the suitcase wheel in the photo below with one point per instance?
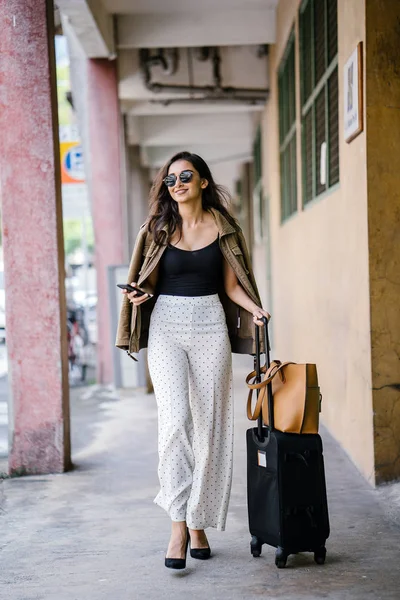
(280, 557)
(255, 546)
(320, 555)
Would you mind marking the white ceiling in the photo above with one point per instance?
(181, 130)
(205, 28)
(178, 6)
(214, 153)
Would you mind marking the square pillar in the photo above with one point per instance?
(30, 193)
(106, 195)
(383, 167)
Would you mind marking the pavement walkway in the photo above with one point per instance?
(95, 534)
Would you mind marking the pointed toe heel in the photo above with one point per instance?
(200, 553)
(178, 563)
(175, 563)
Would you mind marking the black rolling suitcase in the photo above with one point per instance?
(286, 491)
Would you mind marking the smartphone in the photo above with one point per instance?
(131, 288)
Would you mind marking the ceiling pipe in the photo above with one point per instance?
(202, 54)
(221, 98)
(216, 60)
(210, 93)
(167, 59)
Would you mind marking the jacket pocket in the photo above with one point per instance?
(239, 256)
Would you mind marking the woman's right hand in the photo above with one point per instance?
(134, 298)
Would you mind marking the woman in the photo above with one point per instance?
(201, 304)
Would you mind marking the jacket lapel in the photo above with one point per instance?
(224, 227)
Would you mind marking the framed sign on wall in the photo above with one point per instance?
(353, 94)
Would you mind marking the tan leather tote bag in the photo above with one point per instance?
(296, 396)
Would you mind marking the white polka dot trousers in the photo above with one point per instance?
(190, 364)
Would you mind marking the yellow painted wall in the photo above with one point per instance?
(383, 164)
(320, 272)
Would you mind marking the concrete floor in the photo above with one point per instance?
(95, 534)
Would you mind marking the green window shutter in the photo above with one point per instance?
(291, 92)
(332, 30)
(258, 198)
(306, 54)
(287, 130)
(308, 156)
(320, 138)
(319, 99)
(319, 39)
(293, 173)
(333, 125)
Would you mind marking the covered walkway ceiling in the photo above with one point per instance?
(183, 96)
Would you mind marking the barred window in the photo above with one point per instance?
(287, 130)
(319, 96)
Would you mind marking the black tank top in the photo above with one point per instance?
(190, 272)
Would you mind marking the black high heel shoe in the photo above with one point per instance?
(200, 553)
(178, 563)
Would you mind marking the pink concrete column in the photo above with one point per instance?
(30, 194)
(105, 164)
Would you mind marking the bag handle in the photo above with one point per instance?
(255, 386)
(274, 369)
(253, 416)
(258, 409)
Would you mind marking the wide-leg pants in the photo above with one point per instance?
(190, 364)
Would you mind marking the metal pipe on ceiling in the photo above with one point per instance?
(210, 93)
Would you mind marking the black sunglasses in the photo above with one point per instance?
(185, 177)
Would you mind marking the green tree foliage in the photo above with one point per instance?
(63, 86)
(73, 235)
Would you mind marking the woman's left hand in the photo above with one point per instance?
(258, 313)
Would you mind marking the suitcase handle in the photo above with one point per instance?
(257, 366)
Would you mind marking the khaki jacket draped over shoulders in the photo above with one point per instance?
(134, 321)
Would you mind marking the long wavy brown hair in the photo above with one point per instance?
(164, 210)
